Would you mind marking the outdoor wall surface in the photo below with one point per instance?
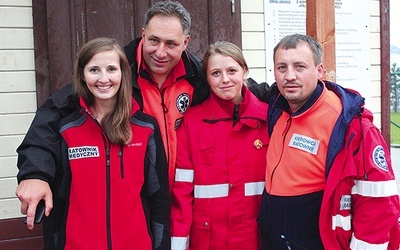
(17, 94)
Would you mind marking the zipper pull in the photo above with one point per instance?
(288, 123)
(108, 157)
(286, 242)
(121, 162)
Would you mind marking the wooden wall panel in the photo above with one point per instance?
(17, 102)
(8, 167)
(16, 236)
(14, 124)
(8, 145)
(17, 81)
(10, 208)
(13, 60)
(15, 17)
(16, 38)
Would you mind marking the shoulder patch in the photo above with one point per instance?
(378, 157)
(182, 103)
(345, 202)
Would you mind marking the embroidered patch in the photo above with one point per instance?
(378, 156)
(182, 103)
(304, 143)
(83, 152)
(345, 202)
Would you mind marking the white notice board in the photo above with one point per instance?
(353, 62)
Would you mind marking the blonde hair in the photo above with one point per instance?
(226, 49)
(116, 123)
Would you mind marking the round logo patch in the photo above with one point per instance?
(182, 103)
(378, 156)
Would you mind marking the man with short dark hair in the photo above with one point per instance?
(329, 178)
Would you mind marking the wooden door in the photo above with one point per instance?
(61, 27)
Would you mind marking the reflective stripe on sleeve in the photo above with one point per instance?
(184, 175)
(179, 243)
(341, 221)
(254, 188)
(375, 188)
(211, 191)
(359, 244)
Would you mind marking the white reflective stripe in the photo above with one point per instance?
(211, 191)
(341, 221)
(359, 244)
(179, 243)
(375, 188)
(184, 175)
(254, 188)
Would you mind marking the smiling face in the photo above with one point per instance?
(163, 44)
(225, 77)
(296, 74)
(102, 75)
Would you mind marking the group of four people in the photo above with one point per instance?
(183, 164)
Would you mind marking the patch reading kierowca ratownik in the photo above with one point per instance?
(304, 143)
(83, 152)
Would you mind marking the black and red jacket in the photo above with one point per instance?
(109, 196)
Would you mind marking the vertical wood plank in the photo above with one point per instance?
(385, 69)
(41, 50)
(320, 25)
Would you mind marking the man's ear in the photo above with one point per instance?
(320, 69)
(186, 41)
(143, 33)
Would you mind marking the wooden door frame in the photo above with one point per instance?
(385, 69)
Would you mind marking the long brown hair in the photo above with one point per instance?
(116, 123)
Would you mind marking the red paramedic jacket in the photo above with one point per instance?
(220, 175)
(119, 196)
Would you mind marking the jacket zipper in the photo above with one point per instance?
(108, 194)
(165, 111)
(235, 116)
(108, 181)
(288, 241)
(121, 161)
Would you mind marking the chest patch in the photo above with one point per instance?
(304, 143)
(182, 103)
(378, 157)
(345, 202)
(83, 152)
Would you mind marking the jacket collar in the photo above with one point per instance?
(221, 110)
(283, 104)
(351, 100)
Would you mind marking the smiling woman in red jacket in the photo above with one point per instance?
(221, 159)
(111, 188)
